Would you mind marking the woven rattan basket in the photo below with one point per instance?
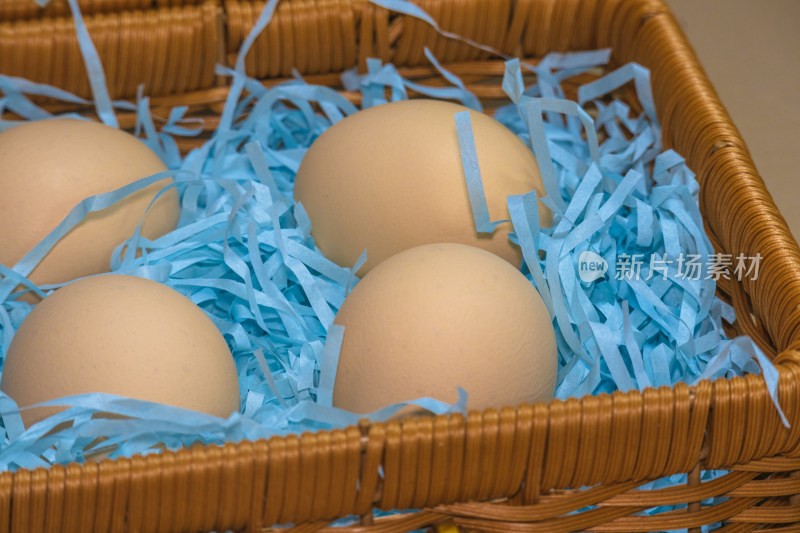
(505, 471)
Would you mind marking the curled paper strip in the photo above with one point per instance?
(472, 173)
(94, 69)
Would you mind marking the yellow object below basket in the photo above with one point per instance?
(448, 527)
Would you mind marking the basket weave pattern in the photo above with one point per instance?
(508, 470)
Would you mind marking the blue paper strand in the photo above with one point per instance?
(94, 69)
(330, 363)
(472, 174)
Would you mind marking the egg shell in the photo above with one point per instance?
(439, 316)
(120, 335)
(390, 177)
(47, 167)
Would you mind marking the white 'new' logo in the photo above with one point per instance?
(591, 266)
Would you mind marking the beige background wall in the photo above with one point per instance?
(751, 52)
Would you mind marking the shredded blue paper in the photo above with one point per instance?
(243, 250)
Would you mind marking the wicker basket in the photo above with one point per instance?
(502, 471)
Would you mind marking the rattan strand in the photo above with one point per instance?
(307, 35)
(528, 454)
(132, 45)
(27, 9)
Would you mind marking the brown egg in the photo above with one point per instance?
(390, 178)
(439, 316)
(121, 335)
(48, 167)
